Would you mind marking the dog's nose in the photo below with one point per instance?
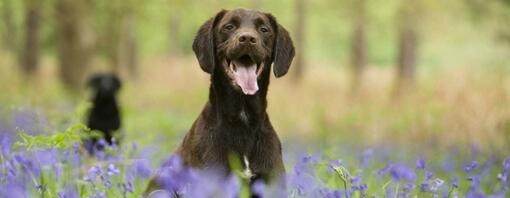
(247, 38)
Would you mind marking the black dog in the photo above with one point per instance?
(104, 115)
(237, 48)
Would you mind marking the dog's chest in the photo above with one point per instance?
(243, 116)
(247, 171)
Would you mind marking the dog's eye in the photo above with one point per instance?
(229, 27)
(264, 29)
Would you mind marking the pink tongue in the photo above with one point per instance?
(246, 78)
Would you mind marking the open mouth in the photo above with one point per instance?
(244, 71)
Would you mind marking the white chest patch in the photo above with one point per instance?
(243, 116)
(247, 171)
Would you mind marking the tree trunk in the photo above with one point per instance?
(113, 36)
(358, 47)
(10, 36)
(75, 41)
(30, 54)
(130, 45)
(300, 39)
(175, 26)
(408, 42)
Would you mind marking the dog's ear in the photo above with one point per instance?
(117, 84)
(204, 46)
(283, 49)
(94, 81)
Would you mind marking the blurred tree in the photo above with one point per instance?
(300, 26)
(131, 44)
(10, 31)
(111, 32)
(358, 46)
(495, 11)
(408, 17)
(175, 26)
(75, 40)
(117, 34)
(30, 55)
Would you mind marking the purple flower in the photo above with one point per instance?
(232, 187)
(503, 177)
(13, 189)
(27, 165)
(470, 166)
(258, 188)
(92, 174)
(174, 176)
(5, 145)
(68, 192)
(126, 188)
(106, 181)
(363, 188)
(401, 172)
(385, 170)
(408, 187)
(140, 168)
(328, 193)
(428, 175)
(112, 170)
(420, 164)
(432, 185)
(506, 164)
(475, 183)
(302, 180)
(455, 182)
(365, 157)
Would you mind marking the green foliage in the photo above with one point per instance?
(63, 140)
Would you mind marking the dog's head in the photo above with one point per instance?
(242, 44)
(104, 85)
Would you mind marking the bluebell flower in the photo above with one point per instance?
(408, 187)
(428, 175)
(126, 188)
(455, 182)
(470, 166)
(232, 187)
(92, 173)
(13, 189)
(106, 181)
(503, 177)
(329, 193)
(259, 188)
(420, 164)
(506, 164)
(112, 170)
(385, 170)
(431, 185)
(365, 157)
(27, 165)
(363, 188)
(474, 189)
(140, 168)
(401, 172)
(5, 145)
(28, 122)
(302, 180)
(68, 192)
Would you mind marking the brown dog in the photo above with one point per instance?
(237, 48)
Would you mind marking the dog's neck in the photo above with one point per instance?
(231, 106)
(104, 103)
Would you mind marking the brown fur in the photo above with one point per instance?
(232, 122)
